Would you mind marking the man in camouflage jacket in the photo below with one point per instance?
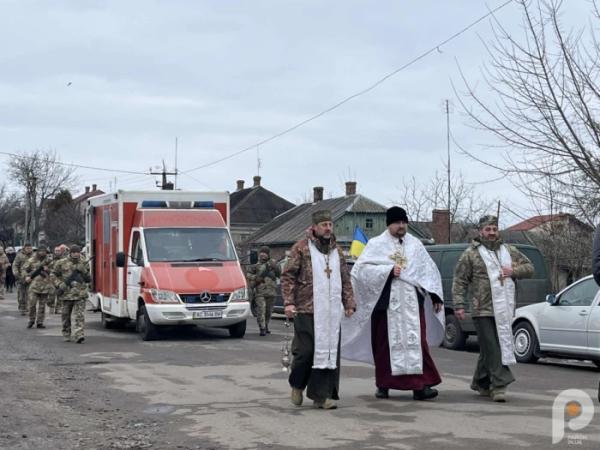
(471, 275)
(36, 274)
(297, 290)
(55, 301)
(22, 287)
(262, 278)
(4, 264)
(72, 275)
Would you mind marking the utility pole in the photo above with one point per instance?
(176, 171)
(449, 172)
(166, 185)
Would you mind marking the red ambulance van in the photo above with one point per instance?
(165, 258)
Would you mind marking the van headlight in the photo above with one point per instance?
(164, 296)
(239, 296)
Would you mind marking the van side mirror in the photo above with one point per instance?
(121, 259)
(551, 299)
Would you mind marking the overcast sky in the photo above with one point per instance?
(113, 83)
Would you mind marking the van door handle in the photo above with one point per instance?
(583, 312)
(142, 283)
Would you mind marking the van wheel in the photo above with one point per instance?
(107, 321)
(148, 331)
(526, 343)
(597, 362)
(238, 330)
(454, 338)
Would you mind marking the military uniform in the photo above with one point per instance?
(37, 270)
(72, 276)
(262, 278)
(22, 287)
(4, 264)
(55, 301)
(471, 275)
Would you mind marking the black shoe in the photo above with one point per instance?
(262, 332)
(80, 340)
(382, 393)
(30, 324)
(41, 325)
(267, 330)
(425, 394)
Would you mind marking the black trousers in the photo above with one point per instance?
(320, 383)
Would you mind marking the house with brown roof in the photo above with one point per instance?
(251, 208)
(347, 212)
(565, 241)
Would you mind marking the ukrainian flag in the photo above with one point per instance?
(358, 242)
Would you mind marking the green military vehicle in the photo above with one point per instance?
(532, 290)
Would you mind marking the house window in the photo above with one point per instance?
(369, 223)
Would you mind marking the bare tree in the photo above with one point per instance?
(545, 106)
(420, 199)
(41, 176)
(64, 221)
(11, 213)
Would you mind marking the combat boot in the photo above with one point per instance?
(297, 396)
(30, 324)
(262, 332)
(325, 404)
(498, 395)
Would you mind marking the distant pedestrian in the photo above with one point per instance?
(262, 279)
(22, 287)
(4, 264)
(10, 276)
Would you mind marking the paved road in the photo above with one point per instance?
(201, 389)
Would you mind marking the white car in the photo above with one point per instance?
(565, 325)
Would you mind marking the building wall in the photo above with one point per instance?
(344, 227)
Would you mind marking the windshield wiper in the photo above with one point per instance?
(203, 259)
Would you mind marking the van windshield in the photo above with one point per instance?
(188, 244)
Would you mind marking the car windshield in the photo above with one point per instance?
(188, 244)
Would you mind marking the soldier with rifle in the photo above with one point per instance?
(36, 275)
(72, 275)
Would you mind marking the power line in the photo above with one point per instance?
(355, 95)
(79, 166)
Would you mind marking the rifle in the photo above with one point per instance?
(39, 271)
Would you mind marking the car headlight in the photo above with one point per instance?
(164, 296)
(239, 296)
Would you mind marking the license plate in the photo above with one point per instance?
(207, 314)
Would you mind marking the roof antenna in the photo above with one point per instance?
(258, 160)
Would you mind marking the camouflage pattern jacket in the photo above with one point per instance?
(38, 269)
(470, 275)
(297, 277)
(71, 278)
(262, 277)
(18, 264)
(4, 263)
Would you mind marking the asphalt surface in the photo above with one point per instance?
(200, 389)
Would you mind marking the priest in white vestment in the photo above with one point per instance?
(399, 297)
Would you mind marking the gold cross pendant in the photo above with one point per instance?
(399, 259)
(328, 271)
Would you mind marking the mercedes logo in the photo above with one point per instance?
(205, 297)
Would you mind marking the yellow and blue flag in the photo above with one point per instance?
(359, 241)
